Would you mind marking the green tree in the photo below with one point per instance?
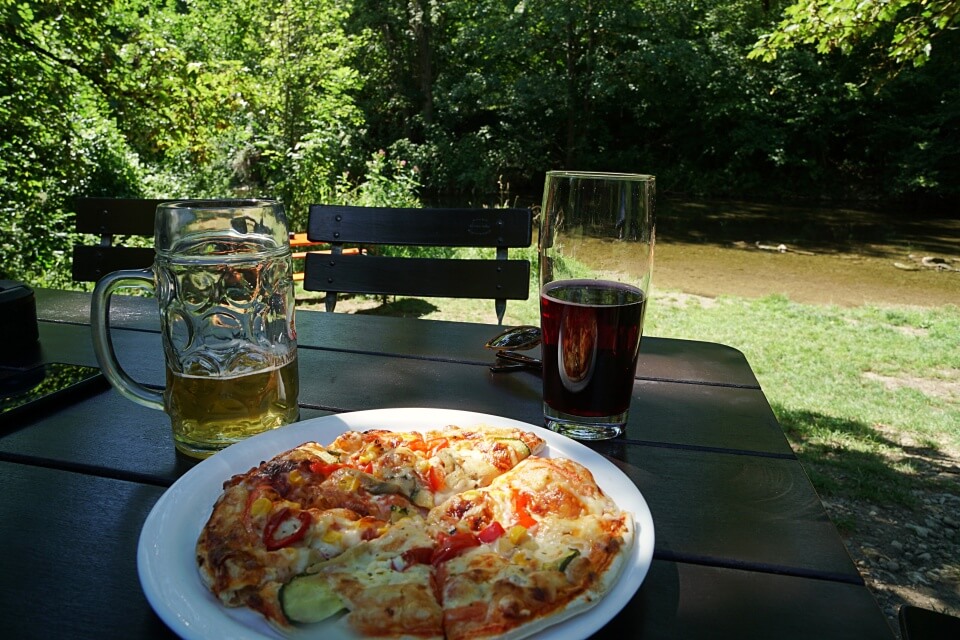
(166, 99)
(295, 99)
(904, 132)
(55, 142)
(904, 30)
(250, 99)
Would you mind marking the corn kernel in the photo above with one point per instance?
(516, 533)
(261, 507)
(350, 483)
(332, 537)
(295, 478)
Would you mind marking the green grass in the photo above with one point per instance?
(869, 397)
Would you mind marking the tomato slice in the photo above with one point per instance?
(418, 555)
(491, 532)
(438, 443)
(416, 445)
(452, 545)
(428, 446)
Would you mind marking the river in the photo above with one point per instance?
(842, 256)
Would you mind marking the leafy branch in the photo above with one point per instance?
(840, 25)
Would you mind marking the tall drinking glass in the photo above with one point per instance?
(224, 284)
(596, 262)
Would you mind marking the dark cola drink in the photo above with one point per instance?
(591, 339)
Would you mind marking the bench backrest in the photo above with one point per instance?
(500, 279)
(108, 218)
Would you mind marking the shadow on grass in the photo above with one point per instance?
(851, 459)
(403, 308)
(370, 305)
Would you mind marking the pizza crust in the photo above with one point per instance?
(567, 557)
(584, 601)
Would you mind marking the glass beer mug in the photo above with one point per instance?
(223, 281)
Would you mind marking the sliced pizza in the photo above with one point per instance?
(273, 522)
(540, 544)
(455, 533)
(428, 468)
(383, 587)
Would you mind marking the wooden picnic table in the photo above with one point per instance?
(743, 547)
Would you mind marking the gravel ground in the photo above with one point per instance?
(909, 555)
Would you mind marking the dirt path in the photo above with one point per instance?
(845, 279)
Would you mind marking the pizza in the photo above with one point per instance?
(459, 533)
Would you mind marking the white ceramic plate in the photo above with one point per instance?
(166, 560)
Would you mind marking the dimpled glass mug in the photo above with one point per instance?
(223, 281)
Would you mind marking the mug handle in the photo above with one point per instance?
(102, 342)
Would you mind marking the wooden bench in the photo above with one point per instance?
(499, 279)
(300, 245)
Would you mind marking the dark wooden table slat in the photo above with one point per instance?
(662, 412)
(660, 359)
(70, 547)
(751, 509)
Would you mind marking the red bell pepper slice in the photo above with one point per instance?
(325, 468)
(252, 497)
(270, 531)
(521, 503)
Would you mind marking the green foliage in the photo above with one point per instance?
(658, 86)
(904, 30)
(283, 98)
(55, 143)
(160, 99)
(387, 182)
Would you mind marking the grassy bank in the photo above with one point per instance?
(858, 391)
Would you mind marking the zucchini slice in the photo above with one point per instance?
(517, 445)
(328, 457)
(310, 598)
(565, 561)
(422, 498)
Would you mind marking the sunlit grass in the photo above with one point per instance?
(859, 392)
